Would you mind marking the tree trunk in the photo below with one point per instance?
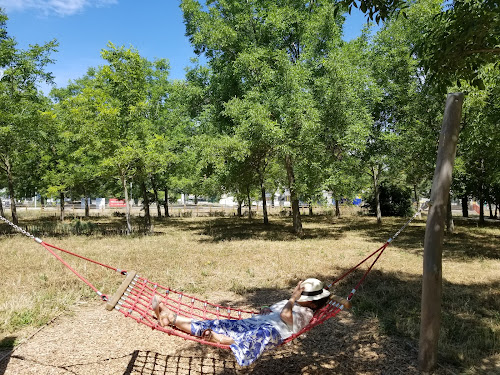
(87, 206)
(481, 195)
(481, 210)
(434, 235)
(450, 227)
(10, 183)
(264, 203)
(165, 204)
(297, 221)
(249, 204)
(465, 206)
(1, 208)
(376, 191)
(417, 200)
(127, 204)
(155, 191)
(42, 202)
(491, 210)
(61, 198)
(147, 214)
(337, 207)
(238, 212)
(310, 208)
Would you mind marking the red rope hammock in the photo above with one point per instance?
(134, 297)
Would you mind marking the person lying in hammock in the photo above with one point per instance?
(248, 338)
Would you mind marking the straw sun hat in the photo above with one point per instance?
(313, 290)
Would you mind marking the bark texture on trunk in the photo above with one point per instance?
(376, 190)
(450, 227)
(264, 203)
(465, 206)
(127, 205)
(87, 206)
(249, 205)
(155, 191)
(297, 221)
(165, 204)
(61, 198)
(10, 183)
(434, 234)
(147, 214)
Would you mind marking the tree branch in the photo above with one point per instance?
(485, 50)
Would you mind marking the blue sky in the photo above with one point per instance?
(84, 27)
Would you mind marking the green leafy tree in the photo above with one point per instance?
(463, 36)
(20, 105)
(271, 47)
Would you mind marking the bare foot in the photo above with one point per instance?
(212, 336)
(166, 316)
(155, 305)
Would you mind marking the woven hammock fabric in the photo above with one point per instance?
(136, 304)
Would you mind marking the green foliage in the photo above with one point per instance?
(395, 200)
(461, 38)
(22, 127)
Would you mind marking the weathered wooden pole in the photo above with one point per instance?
(433, 243)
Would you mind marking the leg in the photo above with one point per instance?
(219, 338)
(168, 317)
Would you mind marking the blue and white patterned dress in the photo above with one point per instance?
(254, 335)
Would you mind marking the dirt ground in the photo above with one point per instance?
(90, 340)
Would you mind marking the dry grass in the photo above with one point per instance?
(209, 256)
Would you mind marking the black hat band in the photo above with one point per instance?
(315, 293)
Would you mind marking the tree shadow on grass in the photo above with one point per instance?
(380, 334)
(239, 229)
(6, 348)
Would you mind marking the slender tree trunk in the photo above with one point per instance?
(264, 203)
(434, 234)
(196, 199)
(1, 208)
(297, 221)
(450, 227)
(249, 204)
(42, 202)
(481, 195)
(310, 208)
(465, 206)
(337, 207)
(155, 191)
(376, 190)
(417, 200)
(10, 182)
(240, 203)
(165, 204)
(87, 206)
(61, 198)
(127, 204)
(481, 210)
(147, 214)
(491, 210)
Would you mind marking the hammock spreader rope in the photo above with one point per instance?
(133, 298)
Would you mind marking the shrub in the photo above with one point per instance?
(395, 200)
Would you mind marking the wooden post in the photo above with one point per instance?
(433, 243)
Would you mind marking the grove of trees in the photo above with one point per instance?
(283, 102)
